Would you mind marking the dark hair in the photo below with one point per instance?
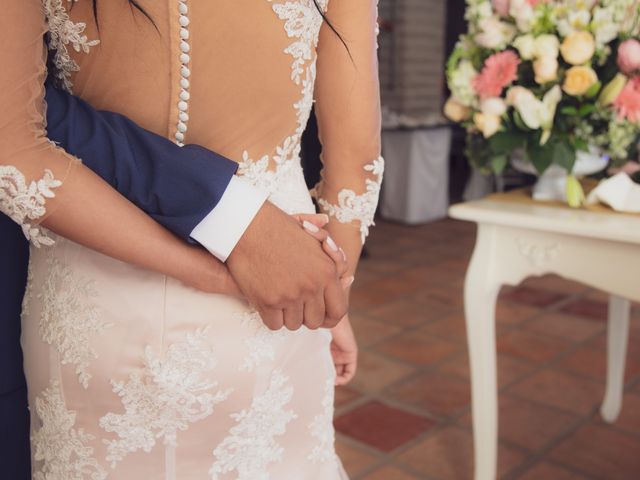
(135, 5)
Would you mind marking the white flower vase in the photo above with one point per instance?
(552, 184)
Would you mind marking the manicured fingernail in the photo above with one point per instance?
(351, 280)
(332, 244)
(344, 255)
(324, 217)
(310, 227)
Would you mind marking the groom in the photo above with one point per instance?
(194, 193)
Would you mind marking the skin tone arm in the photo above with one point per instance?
(349, 121)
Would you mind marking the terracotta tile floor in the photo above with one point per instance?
(406, 416)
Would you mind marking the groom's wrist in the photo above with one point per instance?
(220, 231)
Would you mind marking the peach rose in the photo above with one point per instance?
(487, 123)
(579, 80)
(578, 48)
(455, 111)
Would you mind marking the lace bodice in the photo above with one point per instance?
(238, 77)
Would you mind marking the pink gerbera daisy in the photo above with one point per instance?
(499, 70)
(627, 104)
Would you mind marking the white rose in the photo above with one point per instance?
(545, 69)
(546, 46)
(525, 45)
(493, 106)
(487, 124)
(517, 94)
(494, 34)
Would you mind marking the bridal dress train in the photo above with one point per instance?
(131, 374)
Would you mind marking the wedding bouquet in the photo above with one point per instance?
(547, 79)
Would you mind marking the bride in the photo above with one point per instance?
(132, 372)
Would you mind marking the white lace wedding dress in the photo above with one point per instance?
(131, 374)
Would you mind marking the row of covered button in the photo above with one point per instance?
(185, 73)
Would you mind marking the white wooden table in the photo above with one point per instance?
(516, 240)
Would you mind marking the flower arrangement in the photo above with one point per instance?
(548, 78)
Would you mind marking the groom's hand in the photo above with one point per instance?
(286, 275)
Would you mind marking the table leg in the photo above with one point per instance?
(617, 339)
(481, 291)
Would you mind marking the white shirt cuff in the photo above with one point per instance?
(222, 228)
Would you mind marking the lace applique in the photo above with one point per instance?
(353, 207)
(322, 428)
(24, 203)
(302, 23)
(251, 446)
(63, 32)
(69, 317)
(63, 449)
(28, 293)
(169, 394)
(262, 344)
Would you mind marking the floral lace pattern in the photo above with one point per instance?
(69, 317)
(170, 393)
(261, 346)
(321, 428)
(302, 24)
(352, 207)
(251, 445)
(28, 292)
(62, 33)
(25, 203)
(63, 450)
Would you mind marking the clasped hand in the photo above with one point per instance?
(291, 271)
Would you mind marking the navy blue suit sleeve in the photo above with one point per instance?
(177, 186)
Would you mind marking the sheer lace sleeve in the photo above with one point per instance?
(33, 171)
(348, 110)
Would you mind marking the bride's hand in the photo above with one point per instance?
(209, 275)
(314, 225)
(344, 350)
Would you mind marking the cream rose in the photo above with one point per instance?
(579, 80)
(546, 46)
(525, 45)
(578, 48)
(456, 111)
(545, 69)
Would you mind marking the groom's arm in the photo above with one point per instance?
(190, 190)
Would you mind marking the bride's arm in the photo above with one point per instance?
(348, 111)
(41, 185)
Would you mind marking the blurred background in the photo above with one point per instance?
(407, 414)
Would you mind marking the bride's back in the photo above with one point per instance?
(235, 76)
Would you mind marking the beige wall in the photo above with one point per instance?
(412, 56)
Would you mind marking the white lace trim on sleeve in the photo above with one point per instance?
(353, 207)
(24, 203)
